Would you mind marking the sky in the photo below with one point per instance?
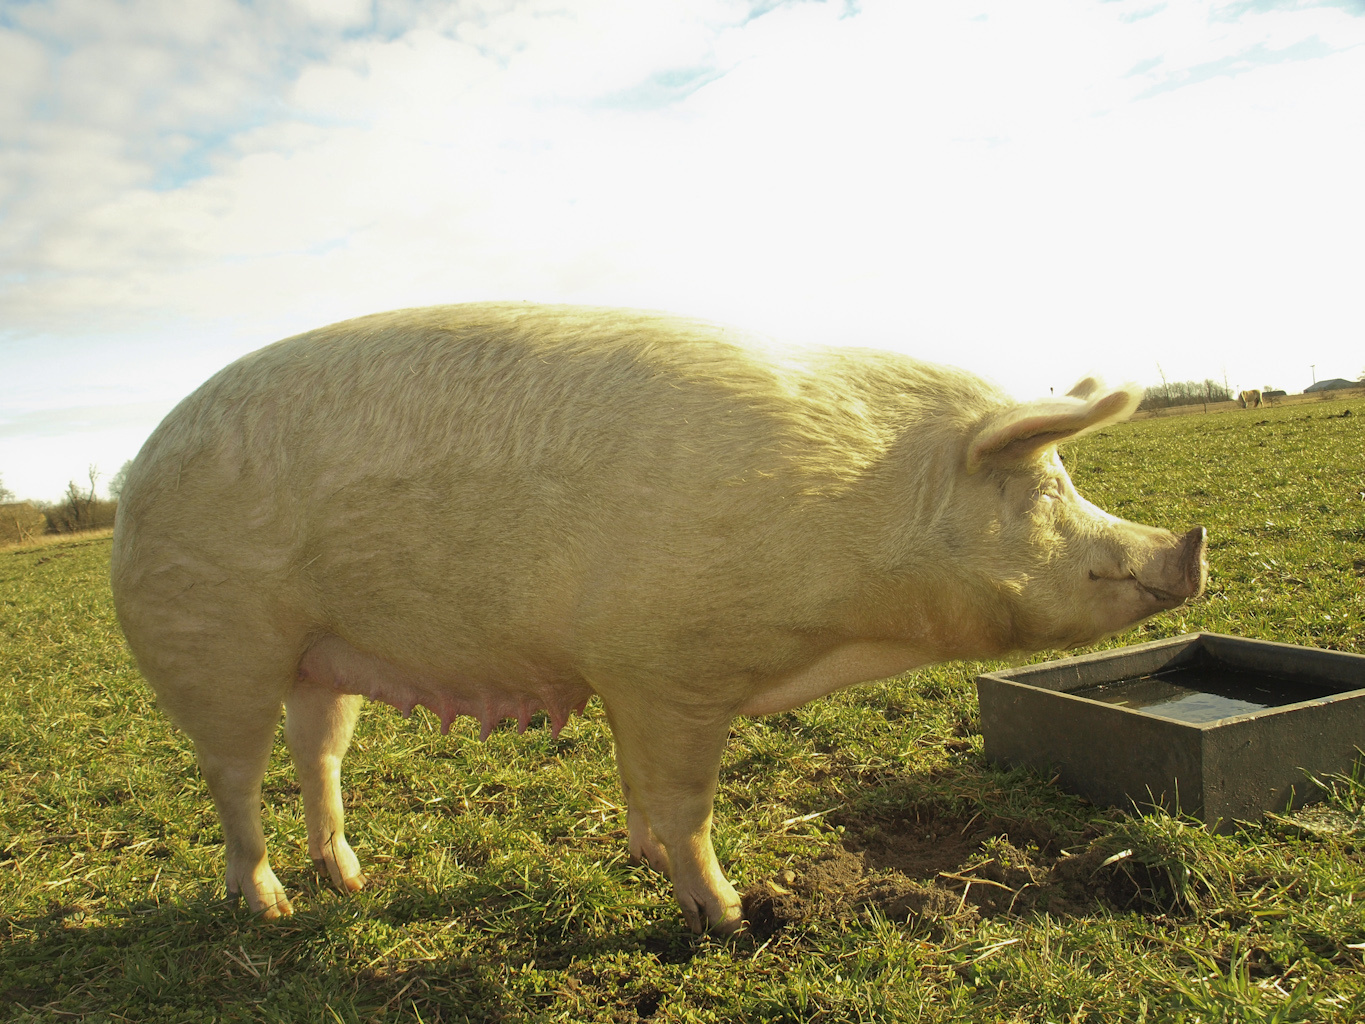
(1035, 192)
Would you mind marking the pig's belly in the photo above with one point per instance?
(333, 662)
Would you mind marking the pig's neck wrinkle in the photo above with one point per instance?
(862, 661)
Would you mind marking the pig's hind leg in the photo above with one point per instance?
(232, 743)
(233, 762)
(318, 724)
(670, 764)
(220, 667)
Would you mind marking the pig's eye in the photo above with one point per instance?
(1048, 490)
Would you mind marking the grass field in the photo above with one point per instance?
(890, 872)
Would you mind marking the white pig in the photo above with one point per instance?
(492, 509)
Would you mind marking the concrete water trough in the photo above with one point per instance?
(1219, 727)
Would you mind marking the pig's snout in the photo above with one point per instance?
(1182, 573)
(1194, 558)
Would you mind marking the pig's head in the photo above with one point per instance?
(1048, 569)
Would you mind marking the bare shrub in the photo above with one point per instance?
(78, 510)
(20, 521)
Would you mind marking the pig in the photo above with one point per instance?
(495, 509)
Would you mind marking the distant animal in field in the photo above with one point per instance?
(493, 509)
(1250, 399)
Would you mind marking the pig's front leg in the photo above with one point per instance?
(645, 847)
(670, 763)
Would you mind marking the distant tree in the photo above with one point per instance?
(78, 509)
(5, 493)
(78, 504)
(1163, 397)
(117, 481)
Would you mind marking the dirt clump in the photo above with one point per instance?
(939, 870)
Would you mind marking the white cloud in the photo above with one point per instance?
(24, 69)
(341, 14)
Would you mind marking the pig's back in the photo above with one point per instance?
(505, 384)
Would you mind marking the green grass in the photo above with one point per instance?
(891, 873)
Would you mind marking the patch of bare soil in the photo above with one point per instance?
(611, 990)
(940, 869)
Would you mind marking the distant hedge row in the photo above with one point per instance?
(25, 520)
(1185, 392)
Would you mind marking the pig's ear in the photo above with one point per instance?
(1019, 434)
(1085, 387)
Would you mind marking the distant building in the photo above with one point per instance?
(1331, 385)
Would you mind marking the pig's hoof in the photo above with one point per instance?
(279, 908)
(268, 906)
(264, 896)
(730, 923)
(720, 914)
(653, 855)
(346, 883)
(339, 863)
